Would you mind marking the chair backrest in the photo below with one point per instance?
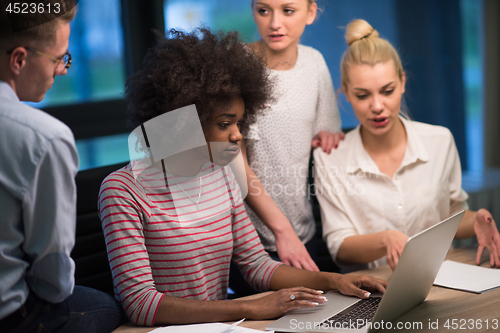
(92, 268)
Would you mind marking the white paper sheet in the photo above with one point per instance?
(207, 328)
(466, 277)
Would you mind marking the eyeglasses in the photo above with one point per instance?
(64, 60)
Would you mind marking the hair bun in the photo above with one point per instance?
(358, 30)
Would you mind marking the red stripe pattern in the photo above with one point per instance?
(159, 243)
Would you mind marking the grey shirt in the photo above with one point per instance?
(279, 144)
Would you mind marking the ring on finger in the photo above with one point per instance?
(292, 297)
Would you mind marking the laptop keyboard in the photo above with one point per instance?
(363, 309)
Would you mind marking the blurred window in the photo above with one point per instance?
(473, 81)
(98, 69)
(96, 45)
(97, 73)
(215, 14)
(101, 151)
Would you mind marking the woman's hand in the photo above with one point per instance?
(353, 284)
(292, 252)
(280, 302)
(394, 242)
(487, 237)
(327, 140)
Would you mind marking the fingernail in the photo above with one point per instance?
(320, 291)
(314, 303)
(367, 295)
(324, 297)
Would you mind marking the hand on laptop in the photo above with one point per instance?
(394, 242)
(283, 301)
(360, 285)
(487, 237)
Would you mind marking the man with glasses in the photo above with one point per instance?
(38, 164)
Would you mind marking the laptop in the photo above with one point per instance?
(409, 285)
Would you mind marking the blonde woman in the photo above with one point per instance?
(278, 146)
(392, 177)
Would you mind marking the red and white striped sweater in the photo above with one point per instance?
(159, 243)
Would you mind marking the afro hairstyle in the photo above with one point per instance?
(202, 68)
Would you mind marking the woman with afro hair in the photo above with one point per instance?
(171, 235)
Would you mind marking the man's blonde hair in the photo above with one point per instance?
(22, 29)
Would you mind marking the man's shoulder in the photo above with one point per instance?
(28, 136)
(22, 120)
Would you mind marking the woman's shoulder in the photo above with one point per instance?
(339, 156)
(121, 178)
(434, 138)
(309, 52)
(428, 130)
(311, 62)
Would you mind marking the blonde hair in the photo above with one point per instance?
(309, 2)
(17, 29)
(366, 48)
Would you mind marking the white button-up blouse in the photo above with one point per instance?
(356, 198)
